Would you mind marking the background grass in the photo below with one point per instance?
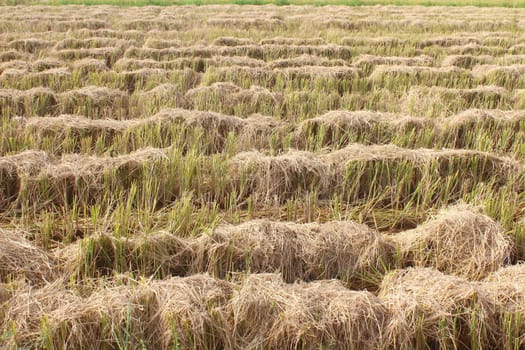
(478, 3)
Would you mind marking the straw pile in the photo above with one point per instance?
(95, 102)
(466, 61)
(507, 287)
(272, 315)
(161, 314)
(63, 178)
(27, 311)
(344, 127)
(348, 251)
(436, 310)
(229, 96)
(373, 60)
(232, 41)
(298, 171)
(34, 101)
(306, 60)
(443, 101)
(417, 73)
(161, 254)
(161, 96)
(86, 66)
(459, 240)
(192, 312)
(20, 258)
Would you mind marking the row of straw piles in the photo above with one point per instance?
(295, 172)
(36, 174)
(459, 241)
(214, 129)
(335, 128)
(415, 308)
(275, 177)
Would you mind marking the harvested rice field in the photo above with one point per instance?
(260, 177)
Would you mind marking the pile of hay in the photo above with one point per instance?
(201, 312)
(306, 60)
(14, 169)
(466, 61)
(280, 51)
(97, 166)
(160, 254)
(270, 314)
(476, 49)
(129, 64)
(167, 54)
(87, 66)
(254, 131)
(210, 122)
(459, 240)
(447, 41)
(229, 97)
(193, 312)
(106, 318)
(232, 41)
(248, 51)
(29, 308)
(11, 55)
(381, 73)
(353, 253)
(311, 72)
(27, 163)
(54, 78)
(20, 258)
(95, 102)
(31, 45)
(507, 287)
(135, 80)
(178, 312)
(486, 118)
(47, 179)
(503, 125)
(93, 42)
(156, 43)
(10, 75)
(431, 309)
(46, 64)
(277, 177)
(504, 166)
(439, 101)
(510, 59)
(14, 65)
(293, 173)
(348, 251)
(108, 54)
(34, 101)
(498, 73)
(381, 41)
(279, 40)
(224, 61)
(373, 60)
(246, 23)
(75, 126)
(241, 75)
(161, 96)
(344, 127)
